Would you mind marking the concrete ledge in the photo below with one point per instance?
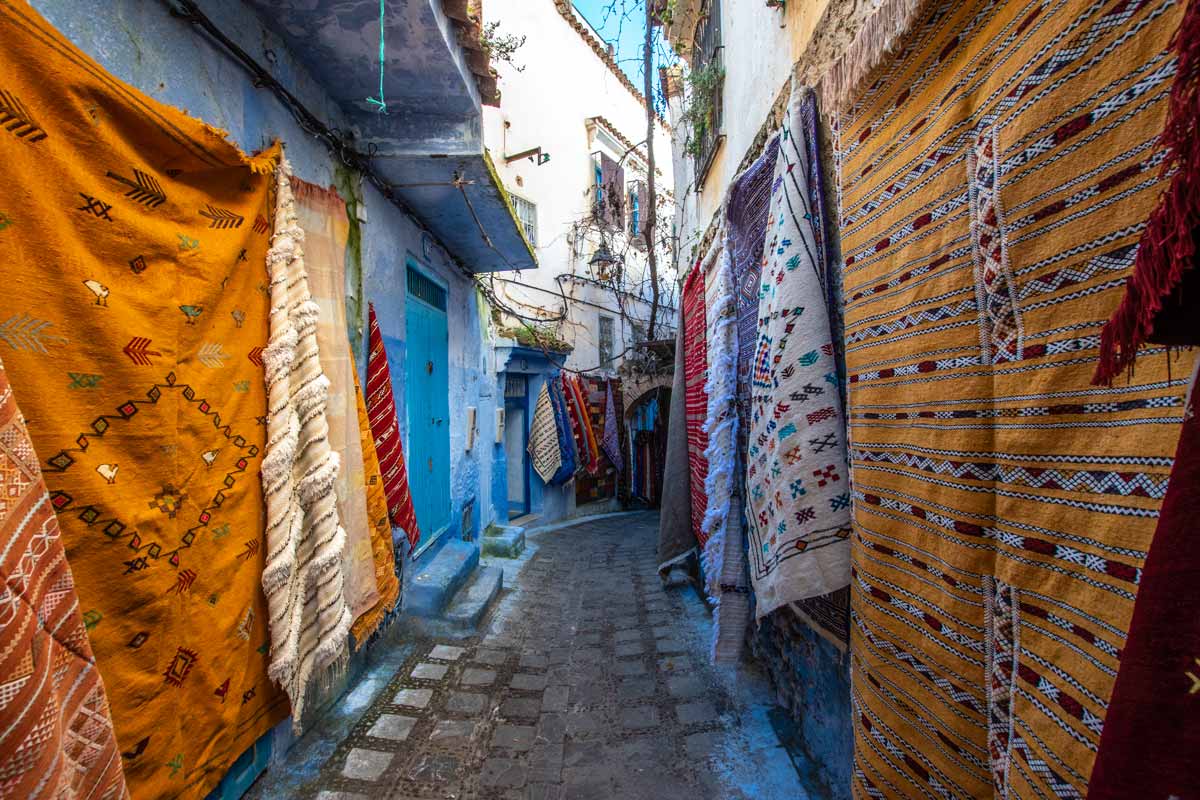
(475, 599)
(503, 542)
(432, 588)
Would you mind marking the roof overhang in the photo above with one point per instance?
(428, 144)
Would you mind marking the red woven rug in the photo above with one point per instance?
(56, 735)
(695, 365)
(381, 409)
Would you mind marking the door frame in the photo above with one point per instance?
(525, 466)
(413, 263)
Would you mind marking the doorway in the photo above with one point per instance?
(516, 443)
(427, 391)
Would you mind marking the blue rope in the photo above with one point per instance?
(379, 102)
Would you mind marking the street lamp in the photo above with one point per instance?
(601, 262)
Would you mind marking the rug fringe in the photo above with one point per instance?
(875, 41)
(1167, 248)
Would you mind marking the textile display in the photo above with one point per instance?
(321, 214)
(695, 369)
(798, 497)
(601, 483)
(1151, 734)
(995, 178)
(381, 409)
(566, 441)
(746, 217)
(56, 734)
(829, 614)
(611, 440)
(676, 537)
(304, 576)
(544, 454)
(1156, 305)
(387, 573)
(576, 417)
(131, 326)
(590, 455)
(723, 557)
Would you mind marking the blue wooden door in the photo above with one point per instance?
(427, 391)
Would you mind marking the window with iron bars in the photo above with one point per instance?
(606, 341)
(707, 61)
(527, 214)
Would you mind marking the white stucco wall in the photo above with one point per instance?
(760, 46)
(565, 84)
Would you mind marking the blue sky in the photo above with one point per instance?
(623, 23)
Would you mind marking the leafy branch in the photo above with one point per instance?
(699, 109)
(501, 46)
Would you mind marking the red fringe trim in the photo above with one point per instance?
(1168, 246)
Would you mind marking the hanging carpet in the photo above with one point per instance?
(723, 556)
(381, 409)
(1151, 733)
(695, 370)
(746, 216)
(304, 577)
(321, 214)
(132, 328)
(676, 536)
(562, 425)
(995, 178)
(798, 497)
(383, 551)
(611, 439)
(56, 735)
(544, 454)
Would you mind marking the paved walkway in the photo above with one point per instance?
(589, 682)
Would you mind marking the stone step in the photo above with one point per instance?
(474, 599)
(436, 584)
(503, 541)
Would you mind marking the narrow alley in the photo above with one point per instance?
(599, 399)
(588, 681)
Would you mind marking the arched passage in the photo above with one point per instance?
(646, 421)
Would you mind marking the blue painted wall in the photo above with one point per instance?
(141, 43)
(811, 679)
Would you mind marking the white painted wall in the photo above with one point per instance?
(760, 46)
(564, 84)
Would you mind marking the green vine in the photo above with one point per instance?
(538, 337)
(664, 11)
(700, 106)
(501, 46)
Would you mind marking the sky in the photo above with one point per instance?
(623, 23)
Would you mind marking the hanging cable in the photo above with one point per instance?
(380, 102)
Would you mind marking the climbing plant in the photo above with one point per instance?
(501, 46)
(699, 108)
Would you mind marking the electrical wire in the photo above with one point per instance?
(341, 148)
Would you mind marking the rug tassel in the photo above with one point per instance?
(1168, 246)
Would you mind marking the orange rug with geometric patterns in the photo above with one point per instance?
(133, 242)
(995, 177)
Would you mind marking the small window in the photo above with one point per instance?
(707, 66)
(639, 333)
(425, 289)
(527, 214)
(606, 341)
(598, 180)
(637, 219)
(608, 187)
(635, 211)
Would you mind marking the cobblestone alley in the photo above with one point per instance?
(588, 681)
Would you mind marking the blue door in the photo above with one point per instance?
(516, 443)
(427, 391)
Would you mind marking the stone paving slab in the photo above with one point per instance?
(589, 681)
